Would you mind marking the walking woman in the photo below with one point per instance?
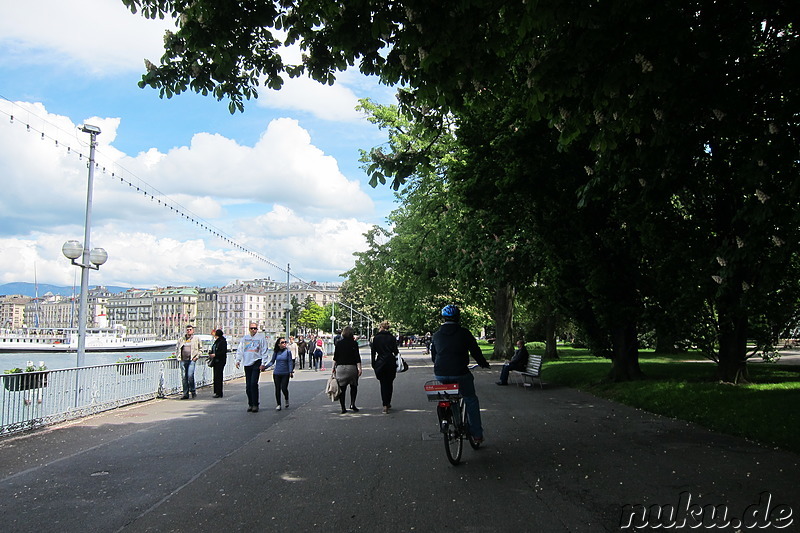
(384, 362)
(347, 367)
(318, 353)
(219, 354)
(282, 363)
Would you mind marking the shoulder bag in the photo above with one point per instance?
(402, 366)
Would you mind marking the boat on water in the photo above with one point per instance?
(66, 340)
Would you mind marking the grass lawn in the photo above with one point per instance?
(766, 411)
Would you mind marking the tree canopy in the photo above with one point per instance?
(655, 145)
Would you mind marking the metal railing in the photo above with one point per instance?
(35, 399)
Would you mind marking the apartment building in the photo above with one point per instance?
(165, 312)
(133, 309)
(264, 301)
(12, 311)
(55, 311)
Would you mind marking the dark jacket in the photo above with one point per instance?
(520, 359)
(384, 351)
(450, 350)
(220, 350)
(346, 352)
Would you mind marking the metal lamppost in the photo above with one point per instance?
(333, 318)
(91, 258)
(288, 305)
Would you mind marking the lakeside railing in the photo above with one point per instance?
(31, 400)
(35, 399)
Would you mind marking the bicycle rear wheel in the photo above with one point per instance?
(453, 440)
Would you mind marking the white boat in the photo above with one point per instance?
(66, 340)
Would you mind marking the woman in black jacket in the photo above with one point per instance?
(347, 367)
(219, 354)
(384, 362)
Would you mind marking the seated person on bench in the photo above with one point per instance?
(518, 362)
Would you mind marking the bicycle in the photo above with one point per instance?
(452, 418)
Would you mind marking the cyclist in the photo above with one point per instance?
(451, 347)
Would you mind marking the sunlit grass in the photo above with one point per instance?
(766, 410)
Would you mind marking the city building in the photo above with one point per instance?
(208, 317)
(12, 311)
(264, 301)
(134, 310)
(173, 309)
(165, 312)
(56, 311)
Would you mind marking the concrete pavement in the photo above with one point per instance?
(555, 460)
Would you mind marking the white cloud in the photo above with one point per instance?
(100, 36)
(324, 247)
(282, 197)
(329, 102)
(283, 166)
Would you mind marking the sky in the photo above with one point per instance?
(282, 179)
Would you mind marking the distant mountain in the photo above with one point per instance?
(29, 289)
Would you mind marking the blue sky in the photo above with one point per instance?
(281, 179)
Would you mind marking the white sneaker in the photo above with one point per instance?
(278, 408)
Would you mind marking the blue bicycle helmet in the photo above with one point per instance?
(451, 311)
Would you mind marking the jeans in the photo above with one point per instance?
(466, 387)
(281, 386)
(187, 376)
(251, 374)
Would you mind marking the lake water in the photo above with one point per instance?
(56, 361)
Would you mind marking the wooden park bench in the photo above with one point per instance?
(532, 372)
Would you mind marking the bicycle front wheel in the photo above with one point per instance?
(453, 440)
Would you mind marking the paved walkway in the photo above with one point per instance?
(556, 460)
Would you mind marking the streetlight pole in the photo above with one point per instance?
(288, 304)
(90, 259)
(333, 318)
(93, 131)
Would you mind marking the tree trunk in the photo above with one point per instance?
(732, 366)
(550, 351)
(503, 315)
(625, 354)
(665, 341)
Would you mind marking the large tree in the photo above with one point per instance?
(686, 108)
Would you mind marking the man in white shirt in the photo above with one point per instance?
(252, 349)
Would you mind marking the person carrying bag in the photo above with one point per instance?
(386, 359)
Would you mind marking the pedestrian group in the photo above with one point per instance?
(450, 348)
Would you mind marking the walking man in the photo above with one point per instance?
(188, 351)
(252, 349)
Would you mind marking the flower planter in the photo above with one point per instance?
(25, 381)
(126, 369)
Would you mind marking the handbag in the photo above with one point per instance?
(211, 361)
(402, 366)
(332, 388)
